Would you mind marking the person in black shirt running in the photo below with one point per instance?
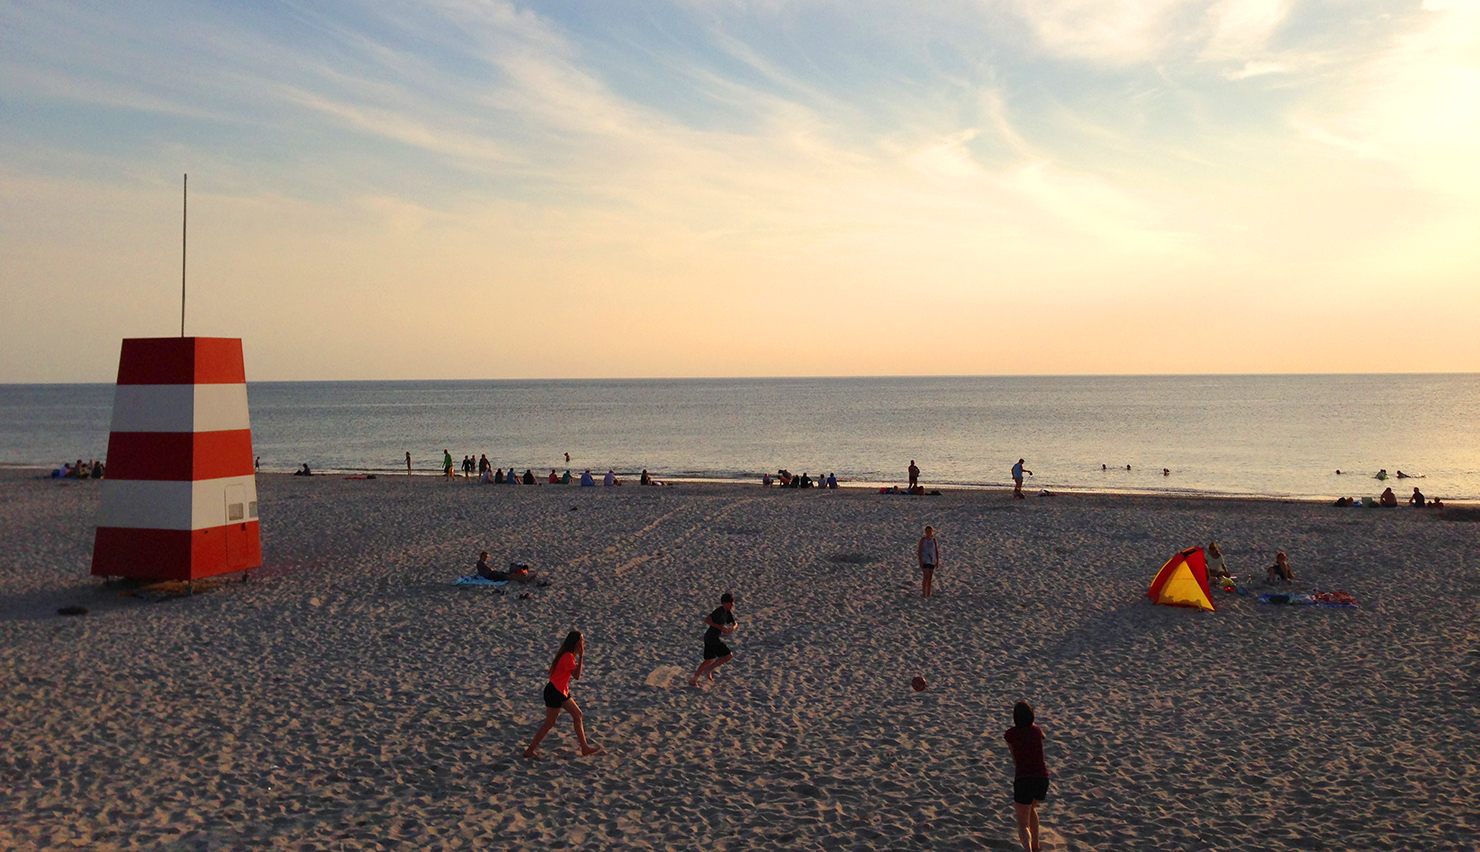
(716, 652)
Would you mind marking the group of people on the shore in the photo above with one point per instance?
(484, 471)
(91, 469)
(786, 479)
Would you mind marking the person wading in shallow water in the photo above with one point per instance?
(565, 667)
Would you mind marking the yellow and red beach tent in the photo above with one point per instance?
(1183, 581)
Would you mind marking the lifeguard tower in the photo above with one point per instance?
(180, 498)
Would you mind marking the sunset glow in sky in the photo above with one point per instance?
(492, 190)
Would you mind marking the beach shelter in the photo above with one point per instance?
(179, 500)
(1183, 581)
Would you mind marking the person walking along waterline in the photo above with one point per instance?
(565, 667)
(928, 552)
(716, 652)
(447, 463)
(914, 474)
(1017, 478)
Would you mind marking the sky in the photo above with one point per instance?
(465, 189)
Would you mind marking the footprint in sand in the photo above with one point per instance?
(667, 677)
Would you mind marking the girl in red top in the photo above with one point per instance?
(566, 665)
(1030, 780)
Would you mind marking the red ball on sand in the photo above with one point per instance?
(918, 683)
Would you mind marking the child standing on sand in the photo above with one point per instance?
(1030, 776)
(928, 552)
(567, 665)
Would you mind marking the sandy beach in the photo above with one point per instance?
(348, 696)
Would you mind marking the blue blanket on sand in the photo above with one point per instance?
(475, 580)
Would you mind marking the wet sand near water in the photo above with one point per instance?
(350, 697)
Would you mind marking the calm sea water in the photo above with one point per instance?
(1263, 435)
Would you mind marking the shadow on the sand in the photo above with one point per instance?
(1127, 624)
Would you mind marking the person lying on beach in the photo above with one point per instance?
(488, 573)
(716, 652)
(1030, 773)
(1388, 498)
(1281, 569)
(1217, 570)
(565, 668)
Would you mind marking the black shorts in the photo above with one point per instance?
(714, 649)
(926, 566)
(554, 697)
(1026, 791)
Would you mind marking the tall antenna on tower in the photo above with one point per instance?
(184, 223)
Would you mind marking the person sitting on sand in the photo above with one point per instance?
(565, 477)
(1280, 568)
(716, 652)
(511, 478)
(611, 480)
(303, 471)
(832, 482)
(528, 476)
(488, 573)
(498, 476)
(1030, 773)
(586, 479)
(1217, 570)
(1416, 500)
(565, 668)
(97, 470)
(765, 480)
(645, 480)
(1388, 498)
(1436, 503)
(554, 477)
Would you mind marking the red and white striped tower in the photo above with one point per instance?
(180, 497)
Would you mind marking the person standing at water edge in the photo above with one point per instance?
(1017, 478)
(408, 463)
(716, 652)
(914, 474)
(447, 464)
(928, 552)
(1030, 773)
(565, 667)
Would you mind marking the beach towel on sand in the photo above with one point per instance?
(1339, 599)
(475, 580)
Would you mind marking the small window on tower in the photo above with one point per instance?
(234, 512)
(252, 509)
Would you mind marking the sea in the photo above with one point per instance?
(1265, 435)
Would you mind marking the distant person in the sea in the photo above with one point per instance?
(567, 458)
(928, 552)
(1402, 475)
(483, 464)
(1127, 467)
(1381, 474)
(1280, 568)
(1017, 478)
(1416, 500)
(914, 474)
(1217, 570)
(721, 622)
(565, 668)
(1102, 467)
(1030, 773)
(1338, 471)
(408, 463)
(446, 464)
(1388, 499)
(586, 480)
(1166, 472)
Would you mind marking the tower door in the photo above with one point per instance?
(236, 527)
